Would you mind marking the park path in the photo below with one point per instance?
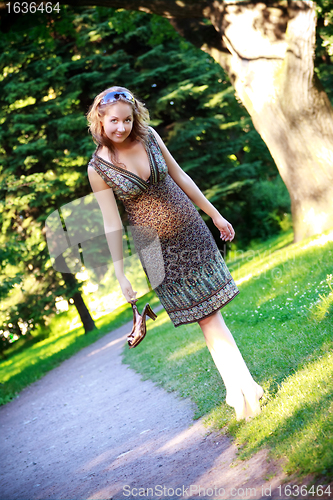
(92, 429)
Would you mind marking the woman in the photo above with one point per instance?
(132, 163)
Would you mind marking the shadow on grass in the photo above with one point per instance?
(304, 453)
(297, 425)
(279, 338)
(236, 258)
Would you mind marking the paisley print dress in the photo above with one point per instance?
(177, 251)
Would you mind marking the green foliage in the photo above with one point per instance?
(269, 203)
(324, 45)
(52, 66)
(214, 141)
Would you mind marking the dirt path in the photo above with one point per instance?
(92, 429)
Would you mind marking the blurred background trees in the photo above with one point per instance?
(267, 48)
(52, 67)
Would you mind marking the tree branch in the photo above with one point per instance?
(165, 8)
(198, 33)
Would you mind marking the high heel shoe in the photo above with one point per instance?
(135, 315)
(139, 330)
(149, 312)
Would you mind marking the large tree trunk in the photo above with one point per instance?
(267, 49)
(271, 67)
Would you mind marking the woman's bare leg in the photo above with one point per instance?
(243, 393)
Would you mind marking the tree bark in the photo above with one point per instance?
(267, 49)
(87, 321)
(70, 280)
(271, 67)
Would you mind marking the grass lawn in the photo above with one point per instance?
(282, 323)
(29, 360)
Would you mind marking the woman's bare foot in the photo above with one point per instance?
(253, 402)
(239, 404)
(246, 407)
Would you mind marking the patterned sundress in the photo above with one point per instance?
(177, 251)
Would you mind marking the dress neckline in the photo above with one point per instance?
(128, 172)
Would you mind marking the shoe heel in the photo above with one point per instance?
(135, 316)
(149, 312)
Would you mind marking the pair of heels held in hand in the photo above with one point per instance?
(138, 332)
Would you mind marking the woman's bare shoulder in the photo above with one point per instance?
(152, 131)
(156, 136)
(102, 152)
(96, 181)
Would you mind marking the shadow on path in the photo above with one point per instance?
(92, 429)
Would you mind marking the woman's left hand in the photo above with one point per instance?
(225, 228)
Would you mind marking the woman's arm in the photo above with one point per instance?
(113, 229)
(193, 192)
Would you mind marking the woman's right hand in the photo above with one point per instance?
(127, 289)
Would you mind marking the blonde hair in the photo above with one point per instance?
(96, 114)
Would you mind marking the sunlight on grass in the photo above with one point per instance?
(27, 363)
(249, 264)
(319, 241)
(282, 324)
(189, 349)
(297, 424)
(38, 352)
(324, 303)
(161, 319)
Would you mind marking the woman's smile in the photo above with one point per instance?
(118, 121)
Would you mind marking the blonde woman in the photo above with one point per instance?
(132, 164)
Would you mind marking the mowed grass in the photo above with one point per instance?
(282, 322)
(28, 360)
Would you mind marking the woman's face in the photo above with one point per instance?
(118, 122)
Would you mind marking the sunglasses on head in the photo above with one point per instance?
(116, 96)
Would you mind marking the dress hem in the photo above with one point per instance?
(206, 315)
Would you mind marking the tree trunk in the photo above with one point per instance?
(87, 321)
(271, 68)
(267, 49)
(70, 280)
